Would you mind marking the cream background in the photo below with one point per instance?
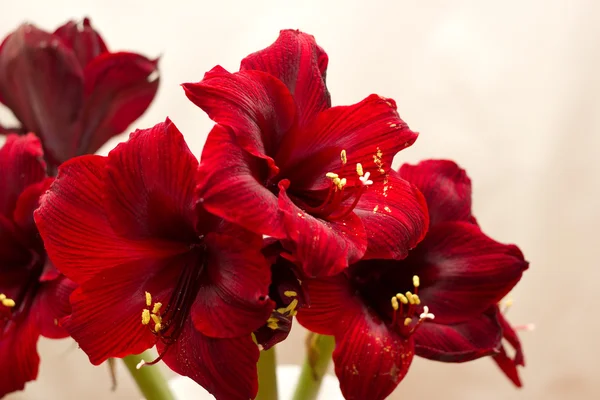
(509, 89)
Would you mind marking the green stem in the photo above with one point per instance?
(315, 366)
(148, 378)
(267, 375)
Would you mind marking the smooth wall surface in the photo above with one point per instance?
(510, 90)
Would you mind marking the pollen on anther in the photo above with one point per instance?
(145, 317)
(395, 305)
(407, 321)
(290, 293)
(402, 298)
(359, 169)
(148, 299)
(410, 297)
(156, 308)
(343, 157)
(416, 281)
(332, 175)
(8, 303)
(386, 208)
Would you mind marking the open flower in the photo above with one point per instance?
(33, 295)
(438, 303)
(281, 161)
(68, 89)
(153, 266)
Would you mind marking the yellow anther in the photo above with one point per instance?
(157, 327)
(402, 298)
(293, 313)
(145, 317)
(273, 323)
(292, 306)
(416, 281)
(2, 296)
(407, 321)
(410, 297)
(156, 308)
(379, 153)
(343, 157)
(416, 299)
(156, 318)
(148, 299)
(281, 310)
(359, 169)
(395, 303)
(8, 303)
(332, 175)
(342, 182)
(290, 293)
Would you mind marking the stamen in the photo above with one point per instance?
(332, 175)
(402, 298)
(359, 169)
(416, 299)
(410, 298)
(407, 321)
(343, 157)
(156, 308)
(145, 317)
(6, 302)
(290, 293)
(416, 281)
(148, 299)
(395, 303)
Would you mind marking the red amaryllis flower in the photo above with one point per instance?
(381, 312)
(67, 88)
(33, 295)
(283, 162)
(153, 266)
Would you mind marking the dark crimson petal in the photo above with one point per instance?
(150, 185)
(233, 300)
(13, 253)
(81, 37)
(51, 305)
(106, 319)
(446, 187)
(258, 108)
(332, 304)
(507, 364)
(466, 341)
(119, 87)
(28, 201)
(22, 164)
(41, 81)
(224, 367)
(296, 60)
(394, 215)
(370, 360)
(77, 234)
(371, 132)
(321, 248)
(463, 272)
(20, 360)
(229, 186)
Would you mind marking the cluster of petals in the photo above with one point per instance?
(70, 90)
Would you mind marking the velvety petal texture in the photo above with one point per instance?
(68, 89)
(153, 267)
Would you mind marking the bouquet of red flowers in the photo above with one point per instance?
(292, 210)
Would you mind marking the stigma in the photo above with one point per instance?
(404, 310)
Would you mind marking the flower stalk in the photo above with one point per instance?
(267, 375)
(320, 349)
(149, 380)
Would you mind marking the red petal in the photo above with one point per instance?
(81, 37)
(26, 205)
(234, 299)
(229, 186)
(224, 367)
(463, 272)
(370, 360)
(13, 253)
(460, 342)
(321, 248)
(41, 81)
(446, 187)
(371, 132)
(257, 107)
(20, 360)
(52, 305)
(296, 60)
(107, 309)
(150, 185)
(119, 87)
(507, 364)
(77, 234)
(394, 215)
(22, 164)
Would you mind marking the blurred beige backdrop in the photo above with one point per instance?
(509, 89)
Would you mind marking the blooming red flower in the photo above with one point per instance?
(381, 312)
(281, 161)
(70, 90)
(33, 295)
(153, 266)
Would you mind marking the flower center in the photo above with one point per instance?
(405, 308)
(284, 313)
(167, 322)
(339, 192)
